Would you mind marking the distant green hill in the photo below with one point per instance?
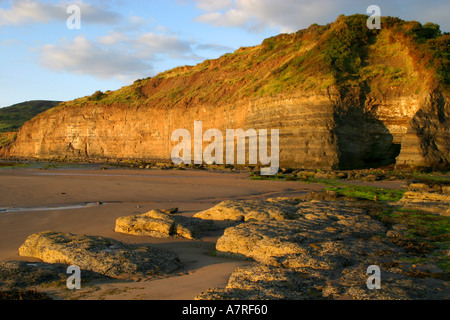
(13, 117)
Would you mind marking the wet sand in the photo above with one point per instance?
(88, 202)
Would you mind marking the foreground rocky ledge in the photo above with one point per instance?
(16, 275)
(263, 282)
(105, 256)
(317, 250)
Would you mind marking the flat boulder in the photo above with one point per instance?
(299, 243)
(263, 282)
(104, 256)
(261, 210)
(320, 235)
(159, 224)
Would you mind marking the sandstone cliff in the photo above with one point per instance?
(342, 96)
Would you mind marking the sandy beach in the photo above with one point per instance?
(88, 202)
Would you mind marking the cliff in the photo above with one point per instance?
(342, 96)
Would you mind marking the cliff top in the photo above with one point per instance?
(403, 56)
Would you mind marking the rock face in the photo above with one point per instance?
(338, 104)
(101, 255)
(156, 223)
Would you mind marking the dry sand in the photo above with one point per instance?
(123, 192)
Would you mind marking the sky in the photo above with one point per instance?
(63, 49)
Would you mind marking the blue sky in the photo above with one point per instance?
(121, 41)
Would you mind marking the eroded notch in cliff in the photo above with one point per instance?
(363, 140)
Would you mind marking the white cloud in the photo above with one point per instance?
(257, 15)
(290, 15)
(231, 18)
(23, 12)
(210, 5)
(134, 23)
(116, 55)
(85, 57)
(113, 38)
(150, 44)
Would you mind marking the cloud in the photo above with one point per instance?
(24, 12)
(88, 58)
(290, 16)
(150, 44)
(117, 55)
(258, 15)
(210, 5)
(134, 24)
(231, 18)
(214, 47)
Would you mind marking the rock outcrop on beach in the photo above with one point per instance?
(263, 282)
(318, 234)
(431, 202)
(22, 274)
(245, 210)
(321, 251)
(342, 96)
(105, 256)
(159, 224)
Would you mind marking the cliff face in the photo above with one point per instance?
(341, 95)
(127, 131)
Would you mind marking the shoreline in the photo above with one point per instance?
(118, 192)
(128, 192)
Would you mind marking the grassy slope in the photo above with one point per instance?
(404, 55)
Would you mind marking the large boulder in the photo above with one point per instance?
(320, 234)
(101, 255)
(263, 282)
(159, 224)
(260, 210)
(316, 242)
